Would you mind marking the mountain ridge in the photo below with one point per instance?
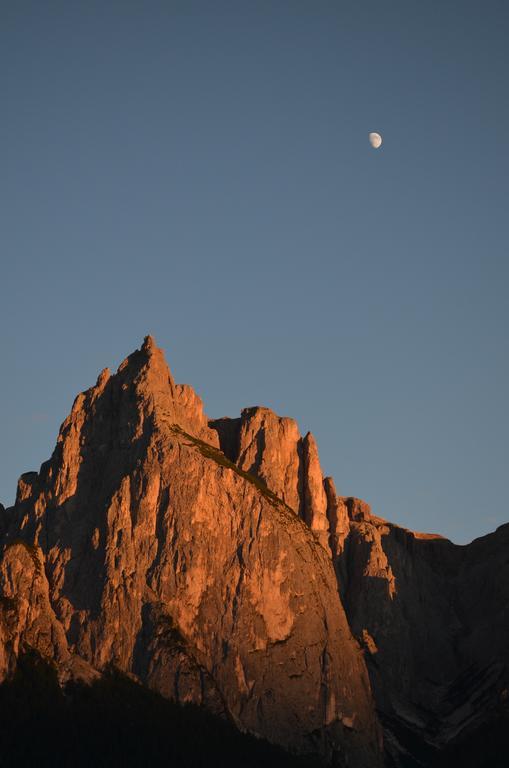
(213, 561)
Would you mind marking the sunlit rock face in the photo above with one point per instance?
(431, 617)
(140, 544)
(271, 448)
(213, 562)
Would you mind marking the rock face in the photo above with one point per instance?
(140, 544)
(434, 621)
(271, 448)
(213, 562)
(431, 617)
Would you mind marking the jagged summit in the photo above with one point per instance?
(143, 546)
(149, 343)
(213, 562)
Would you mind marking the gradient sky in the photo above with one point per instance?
(201, 171)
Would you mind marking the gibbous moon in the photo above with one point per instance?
(375, 140)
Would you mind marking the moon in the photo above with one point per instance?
(375, 140)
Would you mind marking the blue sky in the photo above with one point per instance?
(201, 171)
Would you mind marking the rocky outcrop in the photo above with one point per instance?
(338, 517)
(271, 448)
(314, 495)
(213, 562)
(267, 446)
(431, 616)
(139, 544)
(29, 617)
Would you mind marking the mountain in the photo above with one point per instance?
(211, 563)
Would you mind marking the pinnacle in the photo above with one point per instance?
(149, 344)
(103, 377)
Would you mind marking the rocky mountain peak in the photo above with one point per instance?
(213, 562)
(149, 344)
(145, 546)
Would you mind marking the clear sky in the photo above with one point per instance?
(201, 171)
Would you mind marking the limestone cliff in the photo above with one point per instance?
(271, 448)
(140, 544)
(213, 562)
(432, 617)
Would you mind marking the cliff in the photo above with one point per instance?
(432, 617)
(139, 544)
(212, 562)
